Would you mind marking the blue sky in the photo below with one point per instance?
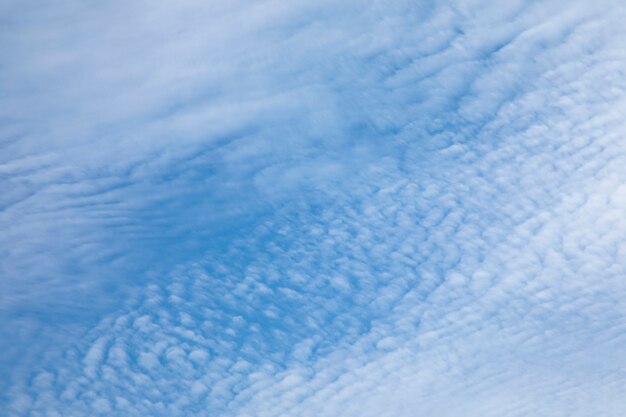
(237, 208)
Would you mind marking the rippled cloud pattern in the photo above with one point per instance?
(267, 208)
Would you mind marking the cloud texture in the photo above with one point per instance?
(287, 209)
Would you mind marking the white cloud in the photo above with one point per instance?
(403, 209)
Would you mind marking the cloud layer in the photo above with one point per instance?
(260, 209)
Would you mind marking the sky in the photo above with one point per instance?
(285, 208)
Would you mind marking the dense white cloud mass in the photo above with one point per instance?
(236, 208)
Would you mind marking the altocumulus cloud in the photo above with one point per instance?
(291, 209)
